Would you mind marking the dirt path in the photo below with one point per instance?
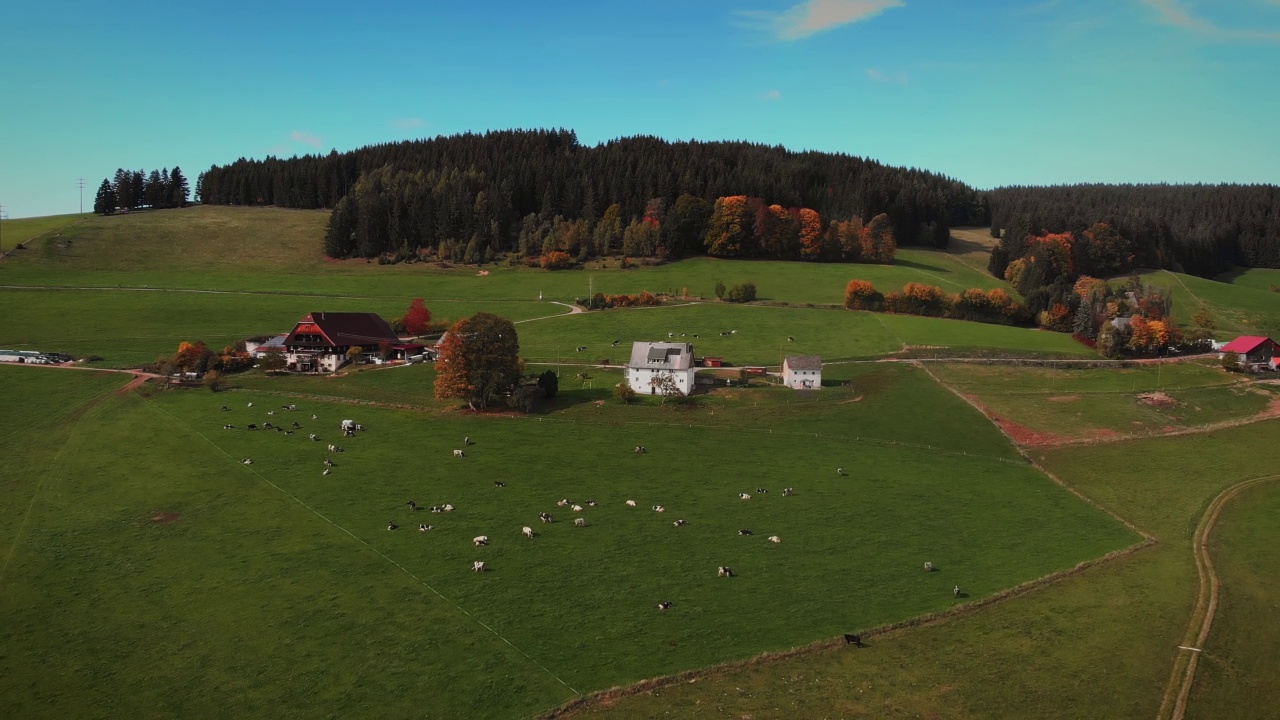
(573, 310)
(1184, 668)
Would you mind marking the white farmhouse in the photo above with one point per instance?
(802, 372)
(650, 360)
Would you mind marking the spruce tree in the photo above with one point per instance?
(105, 202)
(178, 188)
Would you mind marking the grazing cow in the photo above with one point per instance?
(338, 448)
(853, 640)
(499, 483)
(315, 417)
(228, 427)
(480, 540)
(436, 509)
(288, 432)
(466, 441)
(447, 507)
(664, 605)
(478, 566)
(424, 527)
(576, 508)
(267, 425)
(279, 429)
(527, 532)
(788, 491)
(659, 508)
(680, 523)
(412, 505)
(392, 525)
(329, 463)
(562, 502)
(271, 412)
(581, 348)
(761, 491)
(956, 591)
(312, 436)
(250, 404)
(744, 531)
(841, 472)
(579, 522)
(615, 343)
(332, 447)
(695, 337)
(724, 571)
(359, 426)
(928, 566)
(326, 471)
(546, 517)
(790, 339)
(744, 496)
(251, 426)
(775, 539)
(291, 407)
(247, 461)
(296, 426)
(458, 453)
(631, 503)
(591, 503)
(225, 408)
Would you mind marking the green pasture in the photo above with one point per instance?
(271, 249)
(20, 230)
(1239, 657)
(1102, 403)
(1241, 308)
(1097, 644)
(1256, 278)
(148, 514)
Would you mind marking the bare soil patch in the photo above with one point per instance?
(165, 518)
(1023, 435)
(1158, 400)
(1063, 398)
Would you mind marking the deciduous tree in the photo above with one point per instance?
(479, 361)
(417, 319)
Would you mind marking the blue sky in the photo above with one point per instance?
(992, 93)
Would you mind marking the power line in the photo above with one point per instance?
(81, 196)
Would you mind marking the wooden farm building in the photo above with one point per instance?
(1253, 349)
(320, 341)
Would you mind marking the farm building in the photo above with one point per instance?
(802, 372)
(1252, 349)
(656, 360)
(320, 341)
(258, 348)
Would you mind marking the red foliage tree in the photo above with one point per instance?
(417, 319)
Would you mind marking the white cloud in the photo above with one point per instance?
(814, 16)
(407, 123)
(1176, 13)
(306, 138)
(774, 94)
(877, 75)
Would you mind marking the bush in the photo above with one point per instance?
(556, 260)
(862, 295)
(625, 393)
(742, 293)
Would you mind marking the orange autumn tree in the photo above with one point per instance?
(878, 243)
(729, 232)
(417, 319)
(811, 245)
(479, 361)
(862, 295)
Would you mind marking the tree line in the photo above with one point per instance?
(134, 189)
(478, 195)
(1198, 229)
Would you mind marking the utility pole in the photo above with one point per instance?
(81, 196)
(1, 228)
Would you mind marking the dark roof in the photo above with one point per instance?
(344, 329)
(804, 362)
(1245, 344)
(661, 356)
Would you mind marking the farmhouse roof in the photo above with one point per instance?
(1246, 344)
(803, 362)
(661, 356)
(345, 329)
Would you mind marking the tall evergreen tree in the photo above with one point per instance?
(178, 189)
(105, 202)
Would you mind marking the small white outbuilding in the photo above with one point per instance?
(802, 372)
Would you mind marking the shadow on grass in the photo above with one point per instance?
(922, 266)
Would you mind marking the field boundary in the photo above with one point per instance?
(1202, 616)
(358, 539)
(584, 702)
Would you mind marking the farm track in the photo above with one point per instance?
(1184, 668)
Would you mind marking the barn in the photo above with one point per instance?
(319, 342)
(1253, 349)
(802, 372)
(652, 361)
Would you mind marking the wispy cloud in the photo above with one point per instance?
(877, 75)
(774, 94)
(814, 16)
(306, 138)
(407, 123)
(1176, 13)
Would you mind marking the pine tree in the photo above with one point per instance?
(105, 202)
(178, 189)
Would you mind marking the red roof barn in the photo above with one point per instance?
(1253, 349)
(320, 340)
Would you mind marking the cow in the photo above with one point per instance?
(226, 409)
(247, 461)
(841, 472)
(478, 566)
(788, 491)
(790, 339)
(956, 591)
(332, 447)
(296, 426)
(775, 539)
(499, 483)
(659, 508)
(631, 503)
(724, 571)
(562, 502)
(329, 463)
(466, 441)
(250, 404)
(312, 436)
(228, 427)
(251, 426)
(664, 605)
(579, 522)
(591, 503)
(480, 540)
(392, 525)
(267, 425)
(761, 491)
(315, 417)
(326, 471)
(424, 527)
(447, 508)
(581, 348)
(680, 523)
(928, 566)
(459, 453)
(527, 532)
(744, 496)
(412, 505)
(744, 531)
(546, 517)
(576, 508)
(855, 640)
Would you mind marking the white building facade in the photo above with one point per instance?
(802, 372)
(653, 363)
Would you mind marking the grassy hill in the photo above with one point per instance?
(1242, 307)
(14, 232)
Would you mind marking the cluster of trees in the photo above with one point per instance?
(201, 360)
(976, 305)
(600, 301)
(480, 364)
(1131, 319)
(743, 292)
(133, 189)
(450, 191)
(741, 226)
(1198, 229)
(1044, 268)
